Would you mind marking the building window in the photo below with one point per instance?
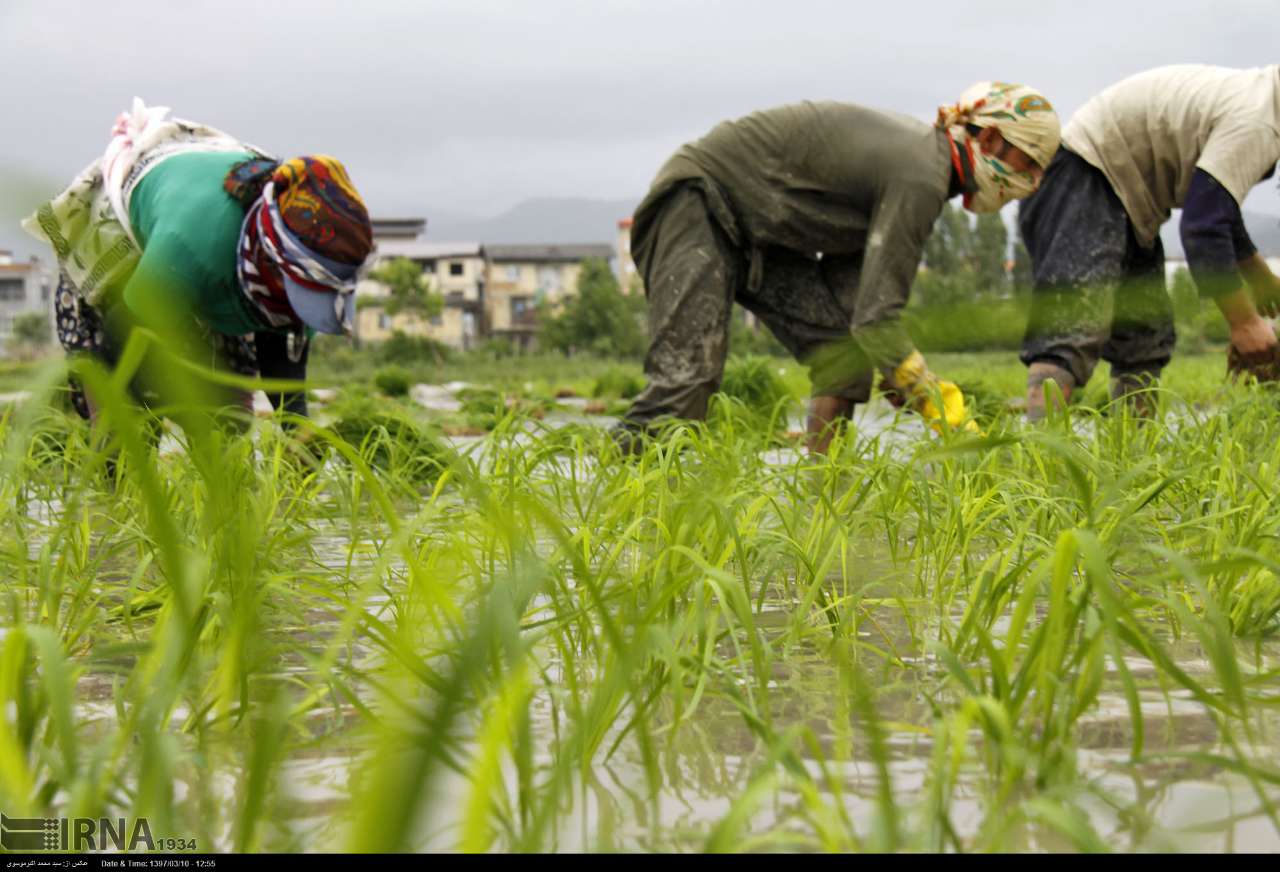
(549, 279)
(12, 290)
(437, 320)
(455, 268)
(428, 267)
(513, 273)
(521, 310)
(384, 321)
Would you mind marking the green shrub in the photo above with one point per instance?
(599, 319)
(392, 381)
(618, 382)
(981, 325)
(499, 348)
(336, 352)
(402, 348)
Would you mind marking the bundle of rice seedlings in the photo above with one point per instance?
(391, 440)
(753, 381)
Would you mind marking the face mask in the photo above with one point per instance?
(998, 183)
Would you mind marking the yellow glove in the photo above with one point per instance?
(913, 378)
(952, 406)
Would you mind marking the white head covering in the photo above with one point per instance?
(1024, 118)
(1022, 115)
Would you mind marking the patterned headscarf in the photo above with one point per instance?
(322, 208)
(1022, 115)
(306, 221)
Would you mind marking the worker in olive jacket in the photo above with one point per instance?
(814, 216)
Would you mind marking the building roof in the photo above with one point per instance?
(398, 228)
(555, 253)
(416, 249)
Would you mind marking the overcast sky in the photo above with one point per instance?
(474, 105)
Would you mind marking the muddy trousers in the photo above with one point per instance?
(693, 274)
(1096, 292)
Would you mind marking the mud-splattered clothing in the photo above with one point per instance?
(813, 216)
(1098, 292)
(694, 273)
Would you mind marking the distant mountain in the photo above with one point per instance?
(555, 220)
(1263, 228)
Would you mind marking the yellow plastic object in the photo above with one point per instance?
(913, 377)
(911, 372)
(953, 409)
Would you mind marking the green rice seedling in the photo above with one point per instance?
(481, 407)
(390, 439)
(754, 382)
(1040, 638)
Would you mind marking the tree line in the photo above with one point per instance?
(966, 260)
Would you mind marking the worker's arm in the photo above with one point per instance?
(1251, 334)
(283, 356)
(901, 221)
(1222, 258)
(1263, 283)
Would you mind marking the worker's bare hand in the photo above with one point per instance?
(1254, 351)
(1253, 336)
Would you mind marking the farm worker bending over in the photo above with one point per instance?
(813, 216)
(227, 252)
(1194, 137)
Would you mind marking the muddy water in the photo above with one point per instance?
(1162, 802)
(1165, 802)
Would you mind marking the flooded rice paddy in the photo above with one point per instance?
(1061, 639)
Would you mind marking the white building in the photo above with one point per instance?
(455, 270)
(24, 287)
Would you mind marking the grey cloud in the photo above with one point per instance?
(472, 106)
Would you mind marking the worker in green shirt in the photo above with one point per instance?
(813, 216)
(227, 254)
